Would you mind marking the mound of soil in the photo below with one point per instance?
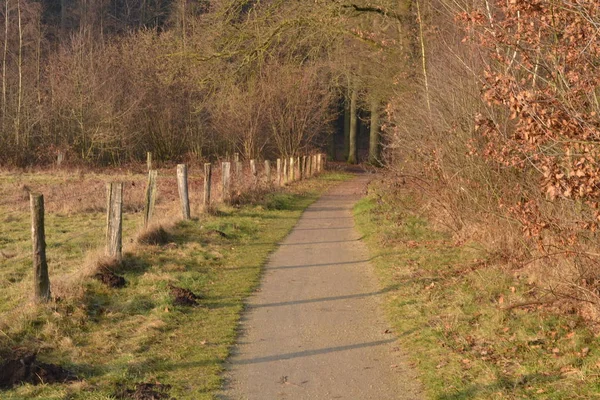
(183, 297)
(25, 369)
(147, 391)
(110, 279)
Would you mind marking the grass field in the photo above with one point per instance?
(115, 338)
(466, 319)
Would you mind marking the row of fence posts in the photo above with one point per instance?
(306, 166)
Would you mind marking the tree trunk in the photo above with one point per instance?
(63, 15)
(4, 63)
(374, 134)
(38, 87)
(346, 128)
(20, 71)
(423, 57)
(352, 149)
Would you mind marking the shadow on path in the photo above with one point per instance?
(322, 299)
(308, 353)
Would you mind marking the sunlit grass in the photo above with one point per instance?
(448, 301)
(115, 338)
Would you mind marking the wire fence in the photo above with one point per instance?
(82, 198)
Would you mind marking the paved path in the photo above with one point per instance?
(315, 330)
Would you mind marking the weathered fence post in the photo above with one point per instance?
(253, 171)
(150, 196)
(319, 165)
(182, 186)
(236, 157)
(308, 167)
(314, 164)
(285, 171)
(226, 180)
(207, 185)
(291, 171)
(279, 172)
(304, 172)
(41, 281)
(60, 158)
(149, 160)
(268, 172)
(114, 220)
(238, 170)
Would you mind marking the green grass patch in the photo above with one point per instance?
(449, 309)
(114, 338)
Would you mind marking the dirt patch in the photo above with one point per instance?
(106, 268)
(146, 391)
(26, 369)
(183, 297)
(110, 279)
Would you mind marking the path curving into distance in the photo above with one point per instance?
(315, 329)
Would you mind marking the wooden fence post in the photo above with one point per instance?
(182, 186)
(253, 171)
(41, 281)
(60, 158)
(268, 172)
(238, 170)
(226, 180)
(285, 171)
(149, 160)
(319, 156)
(314, 164)
(114, 220)
(279, 172)
(292, 170)
(150, 196)
(236, 157)
(304, 172)
(207, 185)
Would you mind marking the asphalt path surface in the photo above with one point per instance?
(315, 329)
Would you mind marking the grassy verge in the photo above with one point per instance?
(467, 319)
(115, 338)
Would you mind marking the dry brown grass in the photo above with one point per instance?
(75, 205)
(459, 191)
(113, 335)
